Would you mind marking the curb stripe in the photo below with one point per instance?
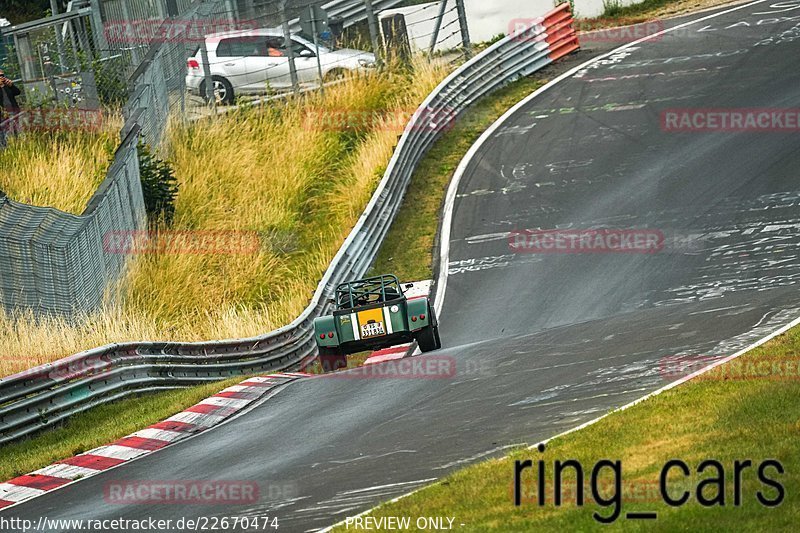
(197, 418)
(159, 434)
(88, 460)
(16, 494)
(213, 410)
(239, 395)
(174, 425)
(66, 471)
(141, 443)
(118, 452)
(270, 383)
(225, 402)
(388, 354)
(41, 482)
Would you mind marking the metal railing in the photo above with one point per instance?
(45, 395)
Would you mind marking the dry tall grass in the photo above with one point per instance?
(61, 169)
(268, 170)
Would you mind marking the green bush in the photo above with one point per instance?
(159, 186)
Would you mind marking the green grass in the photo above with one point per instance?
(100, 426)
(615, 9)
(711, 418)
(408, 248)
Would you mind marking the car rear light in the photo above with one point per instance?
(330, 335)
(413, 319)
(193, 63)
(422, 316)
(321, 335)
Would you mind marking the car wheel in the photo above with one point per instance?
(223, 90)
(426, 339)
(331, 359)
(334, 74)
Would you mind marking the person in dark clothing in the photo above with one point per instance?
(8, 94)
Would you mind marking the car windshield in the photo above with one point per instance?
(368, 291)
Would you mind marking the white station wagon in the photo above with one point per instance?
(254, 61)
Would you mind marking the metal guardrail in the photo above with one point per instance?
(47, 394)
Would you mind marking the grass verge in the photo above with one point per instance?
(744, 410)
(100, 426)
(615, 13)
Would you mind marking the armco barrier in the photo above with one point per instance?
(50, 393)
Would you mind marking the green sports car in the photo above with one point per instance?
(370, 314)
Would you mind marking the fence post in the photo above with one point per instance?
(98, 29)
(373, 29)
(462, 22)
(287, 37)
(62, 59)
(439, 19)
(212, 99)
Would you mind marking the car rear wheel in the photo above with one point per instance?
(428, 338)
(331, 359)
(223, 90)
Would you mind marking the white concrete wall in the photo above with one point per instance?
(488, 18)
(420, 26)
